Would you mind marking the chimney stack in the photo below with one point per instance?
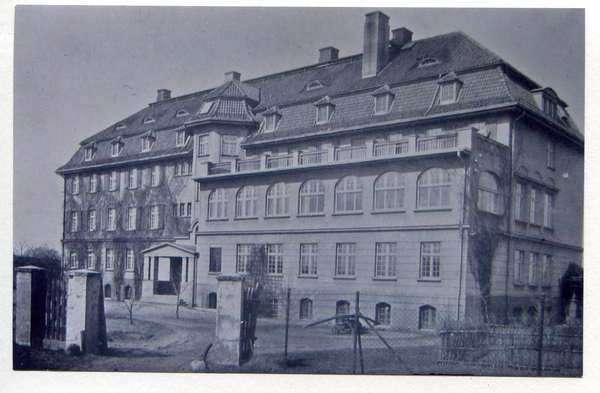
(163, 94)
(328, 54)
(232, 76)
(401, 37)
(376, 51)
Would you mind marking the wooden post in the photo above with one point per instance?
(287, 327)
(541, 338)
(355, 331)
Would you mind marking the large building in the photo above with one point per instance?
(431, 175)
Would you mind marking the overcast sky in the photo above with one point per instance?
(78, 70)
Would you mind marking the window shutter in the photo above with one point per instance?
(161, 216)
(80, 221)
(138, 218)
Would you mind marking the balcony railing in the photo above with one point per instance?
(390, 148)
(315, 157)
(248, 165)
(438, 142)
(350, 153)
(223, 167)
(280, 162)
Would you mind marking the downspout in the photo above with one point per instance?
(62, 263)
(462, 233)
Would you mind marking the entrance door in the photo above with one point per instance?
(167, 275)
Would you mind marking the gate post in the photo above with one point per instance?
(229, 318)
(31, 306)
(86, 324)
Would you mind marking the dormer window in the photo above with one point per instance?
(449, 89)
(120, 126)
(324, 110)
(549, 102)
(427, 61)
(272, 117)
(383, 100)
(148, 119)
(182, 112)
(313, 85)
(116, 146)
(148, 140)
(206, 107)
(180, 138)
(90, 150)
(549, 106)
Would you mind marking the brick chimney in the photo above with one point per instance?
(232, 76)
(163, 94)
(376, 51)
(328, 54)
(401, 37)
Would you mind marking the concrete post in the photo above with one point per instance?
(86, 324)
(229, 318)
(31, 306)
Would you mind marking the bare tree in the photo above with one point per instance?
(129, 304)
(179, 288)
(19, 248)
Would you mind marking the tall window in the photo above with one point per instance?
(217, 204)
(309, 254)
(131, 218)
(130, 260)
(546, 266)
(348, 194)
(532, 206)
(74, 221)
(91, 260)
(324, 113)
(247, 202)
(550, 158)
(203, 145)
(518, 273)
(212, 300)
(112, 219)
(133, 178)
(312, 197)
(244, 253)
(430, 260)
(110, 259)
(75, 190)
(345, 260)
(488, 194)
(114, 181)
(115, 149)
(214, 265)
(383, 103)
(92, 220)
(229, 145)
(433, 188)
(89, 153)
(427, 316)
(385, 260)
(533, 262)
(94, 183)
(278, 200)
(342, 307)
(521, 203)
(147, 143)
(154, 217)
(155, 177)
(389, 192)
(180, 138)
(74, 261)
(548, 210)
(189, 209)
(275, 258)
(383, 313)
(306, 308)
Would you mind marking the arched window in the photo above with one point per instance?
(278, 200)
(217, 204)
(212, 300)
(306, 306)
(342, 307)
(107, 291)
(247, 201)
(532, 314)
(427, 317)
(128, 293)
(312, 197)
(488, 194)
(433, 188)
(389, 192)
(348, 194)
(518, 314)
(383, 312)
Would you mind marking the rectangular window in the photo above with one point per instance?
(548, 210)
(114, 181)
(130, 261)
(110, 259)
(270, 123)
(112, 219)
(385, 260)
(182, 209)
(518, 273)
(94, 183)
(74, 221)
(546, 277)
(203, 145)
(131, 218)
(430, 260)
(448, 93)
(382, 104)
(323, 112)
(309, 254)
(92, 220)
(229, 145)
(115, 149)
(215, 260)
(89, 153)
(75, 189)
(533, 261)
(532, 206)
(189, 209)
(244, 252)
(550, 159)
(91, 260)
(146, 144)
(345, 259)
(133, 178)
(521, 203)
(275, 259)
(180, 138)
(154, 216)
(155, 178)
(74, 260)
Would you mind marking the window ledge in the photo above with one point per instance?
(549, 228)
(532, 285)
(519, 221)
(245, 218)
(344, 278)
(518, 284)
(385, 279)
(307, 276)
(429, 280)
(214, 273)
(357, 213)
(388, 211)
(311, 215)
(533, 224)
(217, 219)
(269, 217)
(546, 286)
(275, 274)
(433, 209)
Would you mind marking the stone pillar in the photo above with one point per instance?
(86, 324)
(31, 306)
(229, 317)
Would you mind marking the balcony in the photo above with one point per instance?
(315, 157)
(350, 153)
(220, 168)
(390, 148)
(438, 142)
(248, 165)
(280, 161)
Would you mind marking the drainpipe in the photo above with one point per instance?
(462, 234)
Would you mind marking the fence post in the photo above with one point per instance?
(227, 348)
(31, 306)
(541, 338)
(355, 331)
(287, 327)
